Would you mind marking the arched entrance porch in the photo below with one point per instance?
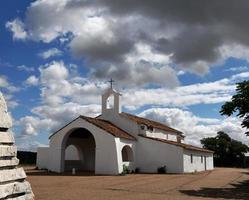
(79, 151)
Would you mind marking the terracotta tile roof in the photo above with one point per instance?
(141, 120)
(109, 127)
(185, 146)
(105, 125)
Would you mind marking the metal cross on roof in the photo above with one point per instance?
(111, 82)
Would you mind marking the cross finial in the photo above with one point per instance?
(111, 82)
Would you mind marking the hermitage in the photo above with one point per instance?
(106, 143)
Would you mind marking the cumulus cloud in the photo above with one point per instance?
(17, 28)
(50, 53)
(6, 85)
(65, 95)
(195, 128)
(201, 93)
(32, 81)
(114, 37)
(8, 89)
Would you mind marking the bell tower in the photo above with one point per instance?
(111, 104)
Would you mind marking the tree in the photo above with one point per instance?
(239, 104)
(227, 152)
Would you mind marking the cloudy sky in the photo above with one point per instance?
(174, 61)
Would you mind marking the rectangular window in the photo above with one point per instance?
(191, 158)
(201, 159)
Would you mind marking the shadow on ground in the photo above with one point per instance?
(239, 190)
(46, 173)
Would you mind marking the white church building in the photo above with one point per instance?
(106, 143)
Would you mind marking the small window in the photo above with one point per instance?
(191, 158)
(142, 127)
(201, 159)
(150, 128)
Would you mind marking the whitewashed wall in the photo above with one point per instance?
(105, 158)
(43, 155)
(197, 165)
(72, 153)
(120, 143)
(123, 123)
(152, 154)
(157, 133)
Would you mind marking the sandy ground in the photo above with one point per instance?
(222, 183)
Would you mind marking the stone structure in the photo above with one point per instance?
(106, 143)
(12, 178)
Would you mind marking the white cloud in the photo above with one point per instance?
(65, 95)
(33, 125)
(240, 76)
(32, 81)
(25, 68)
(238, 69)
(17, 28)
(94, 31)
(195, 128)
(50, 53)
(8, 89)
(29, 145)
(4, 83)
(11, 103)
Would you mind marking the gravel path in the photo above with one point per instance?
(222, 183)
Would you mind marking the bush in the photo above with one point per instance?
(162, 170)
(27, 158)
(126, 170)
(137, 170)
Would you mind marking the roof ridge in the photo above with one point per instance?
(121, 133)
(126, 136)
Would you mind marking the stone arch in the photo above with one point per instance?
(127, 154)
(84, 142)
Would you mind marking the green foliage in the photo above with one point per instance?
(239, 104)
(126, 170)
(227, 152)
(162, 170)
(26, 157)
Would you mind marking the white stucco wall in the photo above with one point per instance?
(123, 123)
(152, 154)
(197, 165)
(105, 157)
(42, 159)
(72, 153)
(157, 133)
(210, 162)
(120, 143)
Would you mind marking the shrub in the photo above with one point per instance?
(137, 170)
(125, 170)
(162, 170)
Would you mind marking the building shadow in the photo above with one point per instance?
(47, 173)
(238, 190)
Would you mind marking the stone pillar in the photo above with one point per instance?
(12, 178)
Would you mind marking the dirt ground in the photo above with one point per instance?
(222, 183)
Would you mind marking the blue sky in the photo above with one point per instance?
(56, 58)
